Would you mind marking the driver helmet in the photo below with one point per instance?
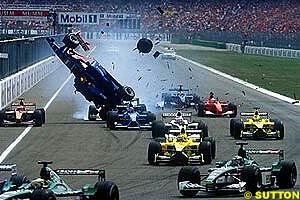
(130, 108)
(256, 116)
(179, 118)
(237, 161)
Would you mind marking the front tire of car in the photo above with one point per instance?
(43, 194)
(206, 150)
(107, 190)
(92, 112)
(112, 117)
(252, 176)
(189, 173)
(287, 175)
(153, 149)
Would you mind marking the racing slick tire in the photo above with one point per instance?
(103, 112)
(238, 127)
(112, 117)
(153, 149)
(287, 176)
(43, 194)
(127, 93)
(202, 126)
(150, 117)
(231, 126)
(106, 190)
(252, 176)
(213, 145)
(278, 126)
(92, 112)
(71, 41)
(44, 114)
(192, 174)
(143, 107)
(18, 180)
(158, 129)
(2, 116)
(206, 150)
(200, 109)
(233, 108)
(38, 117)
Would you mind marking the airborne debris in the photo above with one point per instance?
(157, 42)
(190, 69)
(144, 45)
(147, 84)
(160, 10)
(156, 54)
(149, 70)
(163, 80)
(244, 93)
(227, 93)
(113, 65)
(168, 65)
(107, 24)
(140, 78)
(102, 32)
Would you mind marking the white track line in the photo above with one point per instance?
(249, 85)
(27, 129)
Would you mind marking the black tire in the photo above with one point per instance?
(144, 45)
(107, 190)
(231, 126)
(112, 117)
(278, 126)
(71, 41)
(127, 93)
(213, 145)
(151, 117)
(38, 117)
(103, 113)
(238, 127)
(18, 180)
(92, 112)
(43, 194)
(158, 129)
(206, 149)
(192, 174)
(202, 126)
(233, 108)
(287, 175)
(252, 176)
(44, 114)
(200, 109)
(153, 149)
(143, 108)
(2, 117)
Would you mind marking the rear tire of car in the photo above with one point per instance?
(153, 149)
(44, 114)
(287, 175)
(231, 126)
(213, 145)
(206, 150)
(107, 190)
(143, 107)
(191, 174)
(151, 117)
(233, 108)
(112, 117)
(43, 194)
(158, 129)
(92, 113)
(71, 41)
(38, 117)
(238, 127)
(252, 176)
(202, 126)
(278, 126)
(127, 93)
(2, 116)
(18, 180)
(200, 109)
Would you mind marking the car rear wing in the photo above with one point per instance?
(188, 131)
(249, 114)
(178, 90)
(8, 167)
(267, 151)
(174, 114)
(82, 172)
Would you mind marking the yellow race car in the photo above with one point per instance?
(182, 147)
(256, 125)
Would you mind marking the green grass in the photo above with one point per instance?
(281, 75)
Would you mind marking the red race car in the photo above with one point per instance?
(214, 107)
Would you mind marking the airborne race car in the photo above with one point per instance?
(215, 107)
(22, 113)
(240, 174)
(50, 185)
(256, 126)
(129, 116)
(92, 80)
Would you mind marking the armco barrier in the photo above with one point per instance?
(15, 85)
(289, 53)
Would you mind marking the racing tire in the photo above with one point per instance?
(2, 116)
(200, 109)
(38, 117)
(103, 113)
(71, 41)
(252, 176)
(143, 107)
(44, 114)
(43, 194)
(92, 112)
(213, 145)
(151, 117)
(189, 173)
(238, 127)
(18, 180)
(158, 129)
(112, 117)
(231, 126)
(127, 93)
(153, 149)
(206, 150)
(202, 126)
(287, 175)
(278, 126)
(107, 190)
(233, 108)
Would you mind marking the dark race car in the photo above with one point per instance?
(214, 107)
(92, 80)
(240, 174)
(51, 186)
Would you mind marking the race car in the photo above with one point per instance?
(256, 125)
(178, 98)
(214, 107)
(128, 116)
(181, 147)
(51, 186)
(241, 173)
(92, 80)
(22, 113)
(169, 53)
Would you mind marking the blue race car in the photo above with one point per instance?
(91, 79)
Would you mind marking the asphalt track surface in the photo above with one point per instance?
(72, 142)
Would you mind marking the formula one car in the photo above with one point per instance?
(130, 116)
(22, 113)
(178, 98)
(181, 147)
(242, 173)
(215, 107)
(256, 126)
(92, 80)
(50, 185)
